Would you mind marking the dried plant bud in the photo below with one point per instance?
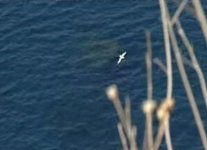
(162, 113)
(165, 108)
(112, 92)
(170, 103)
(149, 106)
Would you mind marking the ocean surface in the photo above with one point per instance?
(57, 57)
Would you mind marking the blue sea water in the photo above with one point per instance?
(57, 58)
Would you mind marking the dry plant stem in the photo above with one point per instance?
(201, 17)
(148, 140)
(187, 62)
(165, 22)
(129, 130)
(188, 88)
(148, 137)
(158, 62)
(120, 112)
(167, 49)
(150, 90)
(145, 146)
(167, 134)
(132, 139)
(149, 66)
(131, 133)
(149, 131)
(126, 130)
(128, 114)
(178, 12)
(159, 137)
(122, 137)
(195, 63)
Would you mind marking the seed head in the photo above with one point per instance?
(112, 92)
(165, 108)
(148, 106)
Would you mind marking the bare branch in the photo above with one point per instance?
(167, 134)
(159, 137)
(167, 48)
(187, 87)
(158, 62)
(201, 17)
(122, 137)
(149, 66)
(178, 12)
(194, 63)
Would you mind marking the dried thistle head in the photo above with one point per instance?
(165, 108)
(170, 103)
(149, 106)
(162, 113)
(112, 92)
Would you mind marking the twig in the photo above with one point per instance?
(167, 134)
(120, 112)
(188, 87)
(158, 62)
(159, 137)
(163, 115)
(178, 11)
(128, 130)
(131, 132)
(128, 114)
(145, 144)
(201, 17)
(149, 104)
(167, 48)
(194, 63)
(164, 111)
(122, 137)
(132, 137)
(187, 61)
(149, 66)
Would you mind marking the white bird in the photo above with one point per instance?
(121, 57)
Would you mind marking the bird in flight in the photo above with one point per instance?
(121, 57)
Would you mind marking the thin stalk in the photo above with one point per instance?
(128, 114)
(149, 131)
(195, 63)
(201, 17)
(149, 66)
(158, 62)
(165, 22)
(149, 102)
(145, 146)
(130, 132)
(132, 137)
(122, 137)
(120, 112)
(167, 48)
(178, 11)
(167, 134)
(188, 87)
(159, 137)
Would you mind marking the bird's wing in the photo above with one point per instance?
(119, 61)
(124, 53)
